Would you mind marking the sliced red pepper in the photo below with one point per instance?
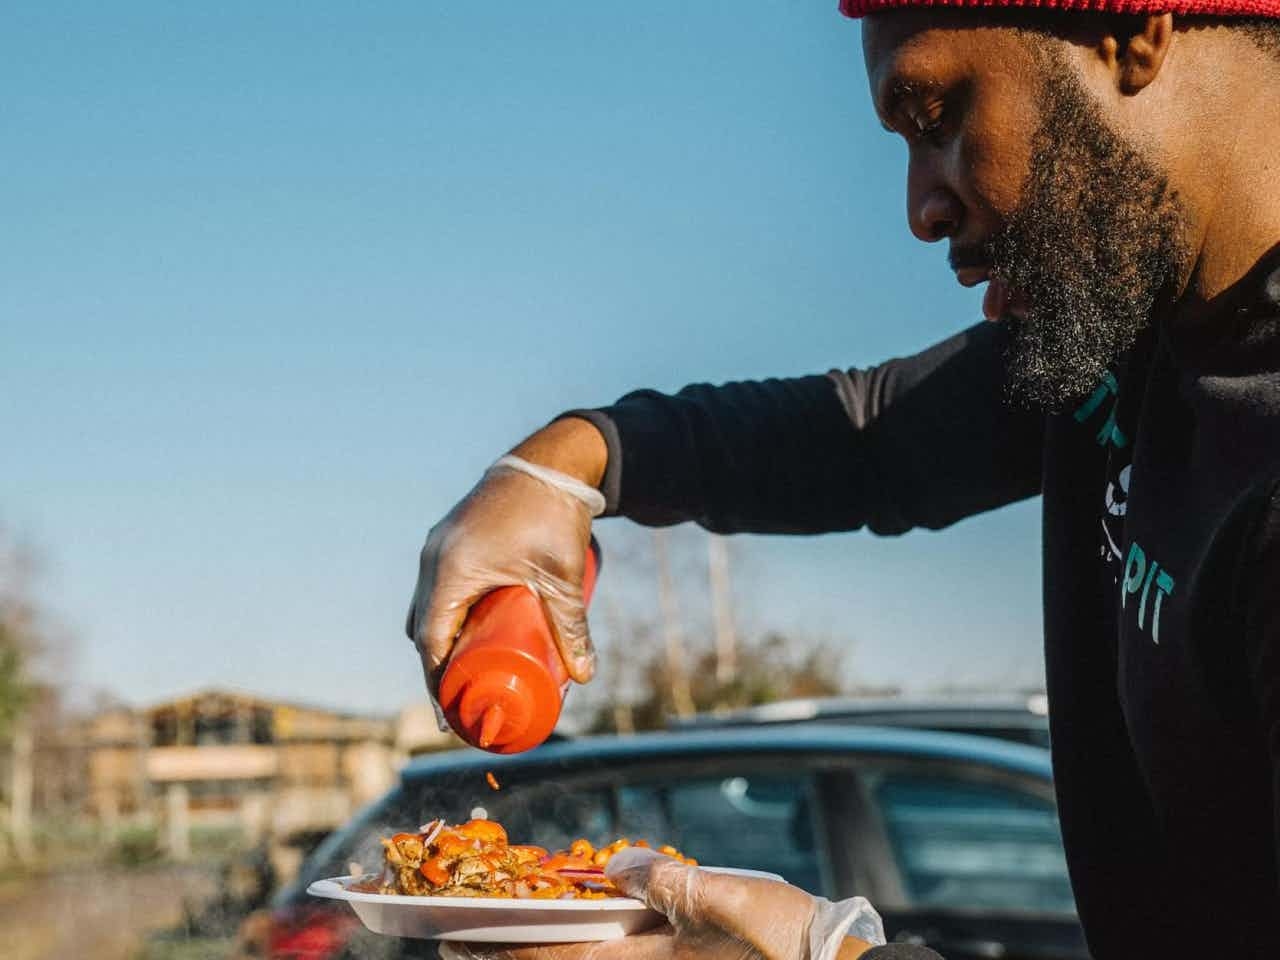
(567, 861)
(484, 830)
(434, 872)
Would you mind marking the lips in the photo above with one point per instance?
(995, 300)
(972, 276)
(1000, 302)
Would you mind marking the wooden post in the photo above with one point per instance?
(178, 822)
(673, 630)
(107, 803)
(244, 721)
(722, 610)
(22, 785)
(143, 734)
(623, 715)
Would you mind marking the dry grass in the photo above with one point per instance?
(96, 914)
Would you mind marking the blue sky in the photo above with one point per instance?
(277, 281)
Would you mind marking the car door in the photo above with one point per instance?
(739, 812)
(960, 856)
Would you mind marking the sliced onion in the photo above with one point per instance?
(430, 831)
(580, 873)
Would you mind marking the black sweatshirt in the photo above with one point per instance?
(1161, 543)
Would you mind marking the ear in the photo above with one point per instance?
(1135, 48)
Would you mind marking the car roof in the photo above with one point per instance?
(976, 710)
(806, 738)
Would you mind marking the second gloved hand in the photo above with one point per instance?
(710, 915)
(743, 917)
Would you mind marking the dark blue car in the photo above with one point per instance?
(953, 837)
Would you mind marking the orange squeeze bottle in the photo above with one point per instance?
(505, 683)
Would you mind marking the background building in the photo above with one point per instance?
(279, 773)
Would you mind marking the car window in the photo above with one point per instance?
(757, 820)
(1037, 735)
(741, 817)
(967, 844)
(554, 815)
(358, 841)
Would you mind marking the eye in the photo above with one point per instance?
(928, 123)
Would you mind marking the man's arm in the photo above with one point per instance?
(922, 441)
(918, 442)
(1263, 646)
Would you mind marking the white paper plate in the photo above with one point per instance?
(494, 920)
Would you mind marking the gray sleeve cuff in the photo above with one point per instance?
(900, 951)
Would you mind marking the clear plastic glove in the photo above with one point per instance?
(520, 525)
(711, 915)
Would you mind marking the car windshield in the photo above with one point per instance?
(744, 816)
(356, 843)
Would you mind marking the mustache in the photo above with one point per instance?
(974, 255)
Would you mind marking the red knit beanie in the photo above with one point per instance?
(1216, 8)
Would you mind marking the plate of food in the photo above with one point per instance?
(467, 882)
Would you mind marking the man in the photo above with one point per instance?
(1116, 181)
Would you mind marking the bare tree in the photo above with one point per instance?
(623, 712)
(672, 630)
(722, 609)
(684, 654)
(19, 645)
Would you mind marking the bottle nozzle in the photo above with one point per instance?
(491, 725)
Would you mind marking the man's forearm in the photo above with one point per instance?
(571, 445)
(918, 442)
(852, 948)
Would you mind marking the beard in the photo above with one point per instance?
(1096, 240)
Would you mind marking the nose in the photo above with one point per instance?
(933, 211)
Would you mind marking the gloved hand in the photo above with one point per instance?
(711, 915)
(522, 524)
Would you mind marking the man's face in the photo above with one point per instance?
(1012, 162)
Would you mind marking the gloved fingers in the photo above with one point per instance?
(567, 616)
(446, 593)
(443, 599)
(834, 924)
(513, 528)
(437, 630)
(431, 678)
(432, 670)
(686, 894)
(656, 944)
(428, 564)
(762, 917)
(663, 883)
(769, 916)
(453, 950)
